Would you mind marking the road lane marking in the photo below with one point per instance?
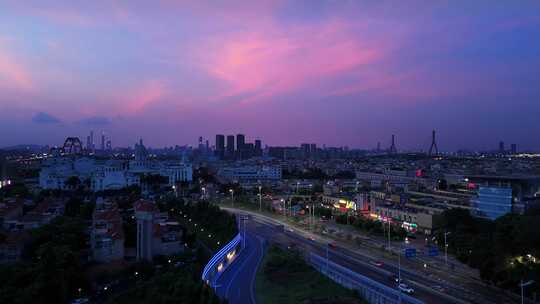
(254, 275)
(236, 273)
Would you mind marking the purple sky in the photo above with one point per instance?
(331, 72)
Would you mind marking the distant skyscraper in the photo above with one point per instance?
(240, 142)
(305, 149)
(220, 145)
(201, 145)
(501, 147)
(102, 141)
(313, 149)
(109, 145)
(230, 145)
(92, 146)
(258, 147)
(393, 148)
(513, 147)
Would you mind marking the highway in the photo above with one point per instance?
(266, 228)
(237, 283)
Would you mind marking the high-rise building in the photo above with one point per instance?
(501, 147)
(240, 142)
(230, 145)
(220, 145)
(92, 146)
(305, 149)
(258, 147)
(144, 212)
(513, 147)
(102, 141)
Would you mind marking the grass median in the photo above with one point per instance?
(284, 277)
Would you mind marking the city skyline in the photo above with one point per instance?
(335, 73)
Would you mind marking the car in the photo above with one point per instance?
(80, 301)
(378, 263)
(405, 288)
(332, 245)
(439, 288)
(396, 279)
(291, 246)
(311, 238)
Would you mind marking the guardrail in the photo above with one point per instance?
(221, 260)
(372, 291)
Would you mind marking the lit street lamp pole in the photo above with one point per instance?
(260, 198)
(399, 273)
(446, 248)
(232, 197)
(522, 285)
(389, 228)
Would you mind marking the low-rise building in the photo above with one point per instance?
(110, 174)
(243, 173)
(107, 234)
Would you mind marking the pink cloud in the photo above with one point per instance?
(13, 74)
(134, 100)
(271, 61)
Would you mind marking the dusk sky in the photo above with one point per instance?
(331, 72)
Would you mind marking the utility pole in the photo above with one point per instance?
(522, 285)
(232, 197)
(244, 238)
(446, 248)
(389, 229)
(260, 198)
(399, 273)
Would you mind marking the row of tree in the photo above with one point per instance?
(372, 227)
(505, 251)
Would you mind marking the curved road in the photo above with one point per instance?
(237, 283)
(265, 228)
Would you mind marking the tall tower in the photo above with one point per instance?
(393, 149)
(220, 145)
(230, 146)
(433, 145)
(92, 146)
(102, 141)
(240, 142)
(378, 146)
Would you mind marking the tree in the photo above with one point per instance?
(73, 182)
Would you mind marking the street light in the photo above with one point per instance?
(446, 248)
(204, 192)
(232, 197)
(260, 198)
(522, 285)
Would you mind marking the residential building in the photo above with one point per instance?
(107, 234)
